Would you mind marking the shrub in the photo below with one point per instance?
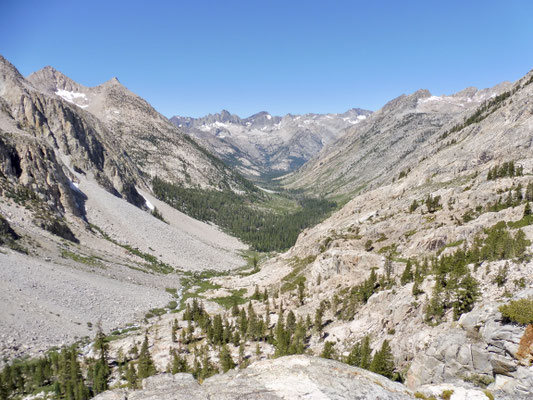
(172, 305)
(446, 394)
(519, 311)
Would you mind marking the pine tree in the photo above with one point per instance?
(243, 322)
(146, 365)
(101, 370)
(218, 330)
(236, 338)
(329, 351)
(308, 322)
(465, 296)
(226, 362)
(354, 358)
(318, 319)
(434, 309)
(529, 192)
(301, 292)
(366, 353)
(282, 343)
(290, 323)
(174, 330)
(267, 316)
(297, 345)
(179, 363)
(416, 288)
(235, 310)
(208, 368)
(383, 362)
(407, 275)
(131, 375)
(243, 363)
(256, 295)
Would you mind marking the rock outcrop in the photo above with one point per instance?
(482, 349)
(295, 377)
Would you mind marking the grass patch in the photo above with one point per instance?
(390, 249)
(87, 260)
(236, 297)
(199, 281)
(452, 244)
(120, 333)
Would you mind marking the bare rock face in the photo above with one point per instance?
(294, 377)
(263, 143)
(54, 130)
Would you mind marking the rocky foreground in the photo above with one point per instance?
(294, 377)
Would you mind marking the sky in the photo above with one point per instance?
(196, 57)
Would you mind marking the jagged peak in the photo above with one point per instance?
(420, 93)
(409, 100)
(113, 82)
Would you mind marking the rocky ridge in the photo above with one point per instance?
(395, 138)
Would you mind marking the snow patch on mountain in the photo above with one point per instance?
(73, 97)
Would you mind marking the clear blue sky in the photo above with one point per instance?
(197, 57)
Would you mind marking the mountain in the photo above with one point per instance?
(156, 146)
(395, 138)
(267, 145)
(85, 238)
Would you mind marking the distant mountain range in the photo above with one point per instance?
(264, 144)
